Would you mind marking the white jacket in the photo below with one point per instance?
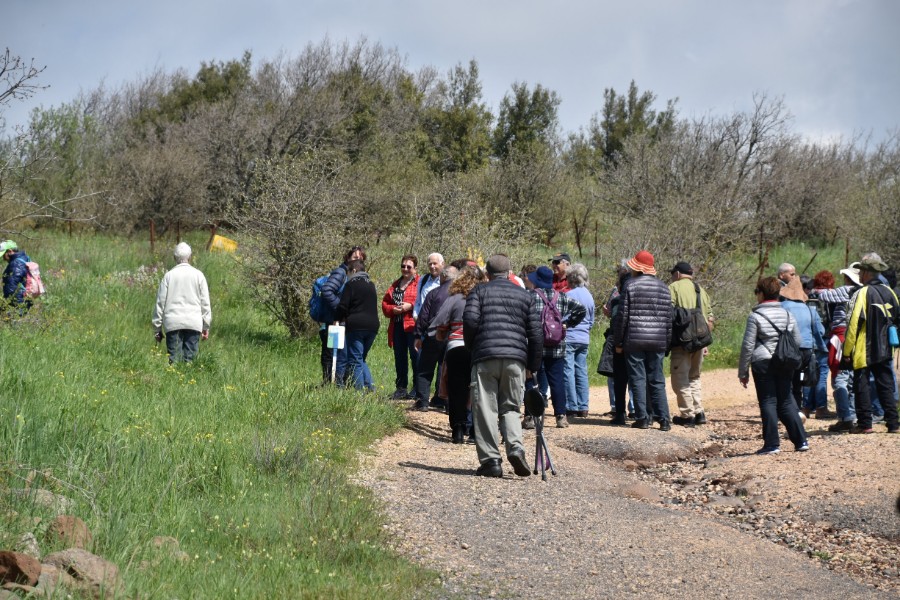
(182, 301)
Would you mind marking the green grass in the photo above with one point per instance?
(238, 456)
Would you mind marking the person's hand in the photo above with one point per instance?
(744, 381)
(418, 344)
(205, 334)
(158, 336)
(705, 351)
(619, 350)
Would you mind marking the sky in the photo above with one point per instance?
(834, 62)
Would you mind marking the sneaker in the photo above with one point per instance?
(804, 447)
(769, 450)
(400, 395)
(419, 406)
(700, 418)
(862, 430)
(641, 424)
(877, 419)
(841, 427)
(665, 425)
(561, 421)
(528, 422)
(802, 417)
(824, 413)
(683, 421)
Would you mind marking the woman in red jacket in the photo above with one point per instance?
(397, 306)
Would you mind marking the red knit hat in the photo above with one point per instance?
(643, 262)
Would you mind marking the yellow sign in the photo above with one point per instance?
(222, 244)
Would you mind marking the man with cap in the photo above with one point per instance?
(644, 334)
(502, 330)
(836, 301)
(15, 275)
(685, 366)
(872, 310)
(553, 362)
(560, 264)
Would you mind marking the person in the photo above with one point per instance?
(872, 310)
(578, 339)
(431, 280)
(553, 362)
(448, 324)
(772, 382)
(793, 300)
(182, 308)
(397, 306)
(502, 329)
(786, 272)
(560, 264)
(431, 350)
(14, 276)
(331, 293)
(685, 366)
(644, 335)
(815, 398)
(617, 385)
(836, 301)
(358, 308)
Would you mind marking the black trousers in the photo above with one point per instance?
(773, 392)
(806, 355)
(430, 358)
(884, 386)
(458, 363)
(620, 382)
(326, 356)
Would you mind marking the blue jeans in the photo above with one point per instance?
(646, 379)
(358, 344)
(555, 370)
(844, 400)
(182, 345)
(776, 403)
(404, 344)
(577, 389)
(817, 397)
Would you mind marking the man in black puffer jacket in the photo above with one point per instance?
(644, 334)
(502, 329)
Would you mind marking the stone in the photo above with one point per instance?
(51, 577)
(725, 502)
(16, 567)
(91, 573)
(640, 491)
(167, 546)
(28, 544)
(47, 499)
(70, 530)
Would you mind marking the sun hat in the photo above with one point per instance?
(643, 262)
(8, 245)
(852, 273)
(794, 291)
(542, 277)
(872, 262)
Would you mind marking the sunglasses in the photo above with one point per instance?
(405, 267)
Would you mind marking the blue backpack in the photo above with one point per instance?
(319, 310)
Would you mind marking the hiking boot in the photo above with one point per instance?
(665, 425)
(528, 422)
(618, 420)
(400, 395)
(419, 406)
(459, 434)
(824, 413)
(438, 404)
(561, 421)
(683, 421)
(490, 468)
(769, 450)
(520, 466)
(841, 427)
(700, 418)
(641, 424)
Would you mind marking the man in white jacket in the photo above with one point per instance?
(182, 308)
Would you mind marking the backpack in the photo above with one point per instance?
(816, 303)
(34, 286)
(319, 310)
(787, 353)
(554, 332)
(690, 329)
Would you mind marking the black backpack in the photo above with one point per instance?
(787, 353)
(690, 329)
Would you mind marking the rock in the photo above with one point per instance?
(16, 567)
(630, 465)
(46, 499)
(70, 530)
(91, 573)
(725, 502)
(640, 491)
(28, 544)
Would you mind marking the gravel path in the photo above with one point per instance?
(633, 512)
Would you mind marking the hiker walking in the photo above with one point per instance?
(182, 308)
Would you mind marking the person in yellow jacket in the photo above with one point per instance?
(873, 309)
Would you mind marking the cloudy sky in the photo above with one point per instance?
(835, 62)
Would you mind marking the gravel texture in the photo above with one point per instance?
(690, 512)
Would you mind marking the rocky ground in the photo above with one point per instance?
(691, 511)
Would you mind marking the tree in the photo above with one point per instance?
(527, 120)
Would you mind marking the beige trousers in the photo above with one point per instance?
(685, 368)
(499, 388)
